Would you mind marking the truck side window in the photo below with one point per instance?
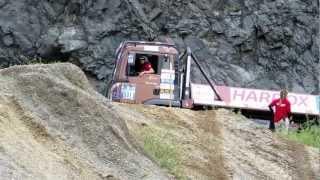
(165, 62)
(139, 62)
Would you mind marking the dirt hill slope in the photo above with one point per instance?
(222, 145)
(53, 125)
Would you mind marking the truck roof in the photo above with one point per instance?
(149, 43)
(125, 44)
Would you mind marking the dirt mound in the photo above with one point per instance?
(53, 125)
(223, 145)
(254, 152)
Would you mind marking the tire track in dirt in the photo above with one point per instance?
(47, 151)
(196, 133)
(300, 167)
(206, 121)
(223, 145)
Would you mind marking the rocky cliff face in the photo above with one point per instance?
(250, 43)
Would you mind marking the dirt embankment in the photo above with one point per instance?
(223, 145)
(53, 125)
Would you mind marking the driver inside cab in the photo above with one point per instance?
(145, 66)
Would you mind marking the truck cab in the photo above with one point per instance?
(161, 87)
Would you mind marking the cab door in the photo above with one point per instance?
(147, 85)
(167, 78)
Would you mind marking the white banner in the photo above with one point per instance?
(254, 99)
(202, 94)
(260, 99)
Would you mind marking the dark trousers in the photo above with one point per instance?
(271, 124)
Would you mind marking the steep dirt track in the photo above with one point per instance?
(53, 125)
(32, 150)
(301, 166)
(254, 152)
(196, 133)
(223, 145)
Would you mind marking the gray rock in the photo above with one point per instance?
(267, 36)
(247, 46)
(47, 43)
(8, 40)
(218, 27)
(72, 39)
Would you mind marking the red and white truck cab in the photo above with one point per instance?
(159, 88)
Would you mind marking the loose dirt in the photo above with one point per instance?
(54, 125)
(219, 144)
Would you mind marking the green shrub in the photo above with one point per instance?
(310, 135)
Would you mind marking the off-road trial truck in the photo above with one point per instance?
(170, 84)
